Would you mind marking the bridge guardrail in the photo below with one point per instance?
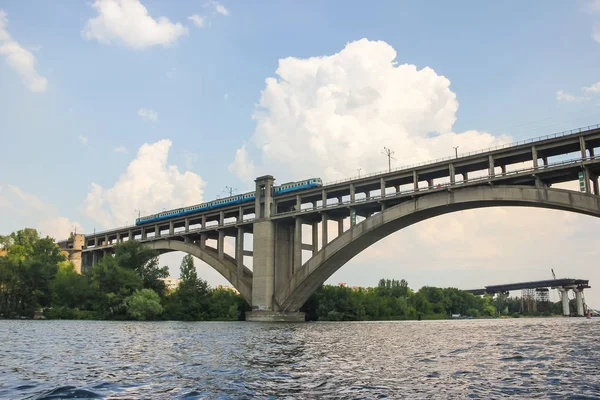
(445, 185)
(470, 153)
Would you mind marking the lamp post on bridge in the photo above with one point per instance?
(456, 151)
(358, 169)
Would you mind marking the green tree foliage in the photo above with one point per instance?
(135, 256)
(189, 302)
(143, 305)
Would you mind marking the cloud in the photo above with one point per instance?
(83, 140)
(39, 214)
(339, 111)
(595, 88)
(197, 20)
(128, 22)
(242, 166)
(120, 149)
(148, 114)
(20, 59)
(569, 98)
(219, 8)
(149, 184)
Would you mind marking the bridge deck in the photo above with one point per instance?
(550, 283)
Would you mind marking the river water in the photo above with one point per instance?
(511, 358)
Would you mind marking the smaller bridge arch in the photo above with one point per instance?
(226, 266)
(338, 252)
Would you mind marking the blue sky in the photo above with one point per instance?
(504, 63)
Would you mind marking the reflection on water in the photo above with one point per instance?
(520, 358)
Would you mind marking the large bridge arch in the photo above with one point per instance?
(227, 266)
(338, 252)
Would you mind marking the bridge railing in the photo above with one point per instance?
(470, 153)
(442, 186)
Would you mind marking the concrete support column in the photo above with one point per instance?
(397, 188)
(314, 204)
(586, 178)
(221, 244)
(203, 223)
(591, 150)
(240, 217)
(156, 231)
(465, 176)
(94, 258)
(503, 167)
(323, 198)
(203, 237)
(429, 183)
(582, 147)
(297, 245)
(382, 185)
(298, 202)
(415, 180)
(340, 227)
(534, 156)
(324, 239)
(130, 235)
(118, 237)
(545, 161)
(144, 234)
(221, 218)
(96, 240)
(594, 179)
(187, 224)
(564, 296)
(239, 251)
(171, 228)
(106, 243)
(340, 200)
(491, 165)
(315, 238)
(452, 174)
(579, 301)
(352, 193)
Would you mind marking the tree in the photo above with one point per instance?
(143, 305)
(189, 302)
(136, 256)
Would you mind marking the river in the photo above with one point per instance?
(512, 358)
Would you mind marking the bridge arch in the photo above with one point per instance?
(338, 252)
(227, 266)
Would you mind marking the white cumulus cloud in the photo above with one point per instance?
(242, 166)
(569, 98)
(595, 88)
(149, 184)
(35, 213)
(148, 114)
(219, 8)
(197, 20)
(326, 116)
(128, 22)
(20, 59)
(120, 149)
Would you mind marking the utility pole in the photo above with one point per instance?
(230, 190)
(138, 213)
(456, 151)
(358, 169)
(388, 153)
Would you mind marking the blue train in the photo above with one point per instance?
(241, 198)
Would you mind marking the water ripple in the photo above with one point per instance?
(478, 359)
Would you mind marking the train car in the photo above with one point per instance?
(301, 185)
(241, 198)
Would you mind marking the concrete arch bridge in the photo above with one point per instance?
(279, 282)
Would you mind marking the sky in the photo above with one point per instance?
(113, 107)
